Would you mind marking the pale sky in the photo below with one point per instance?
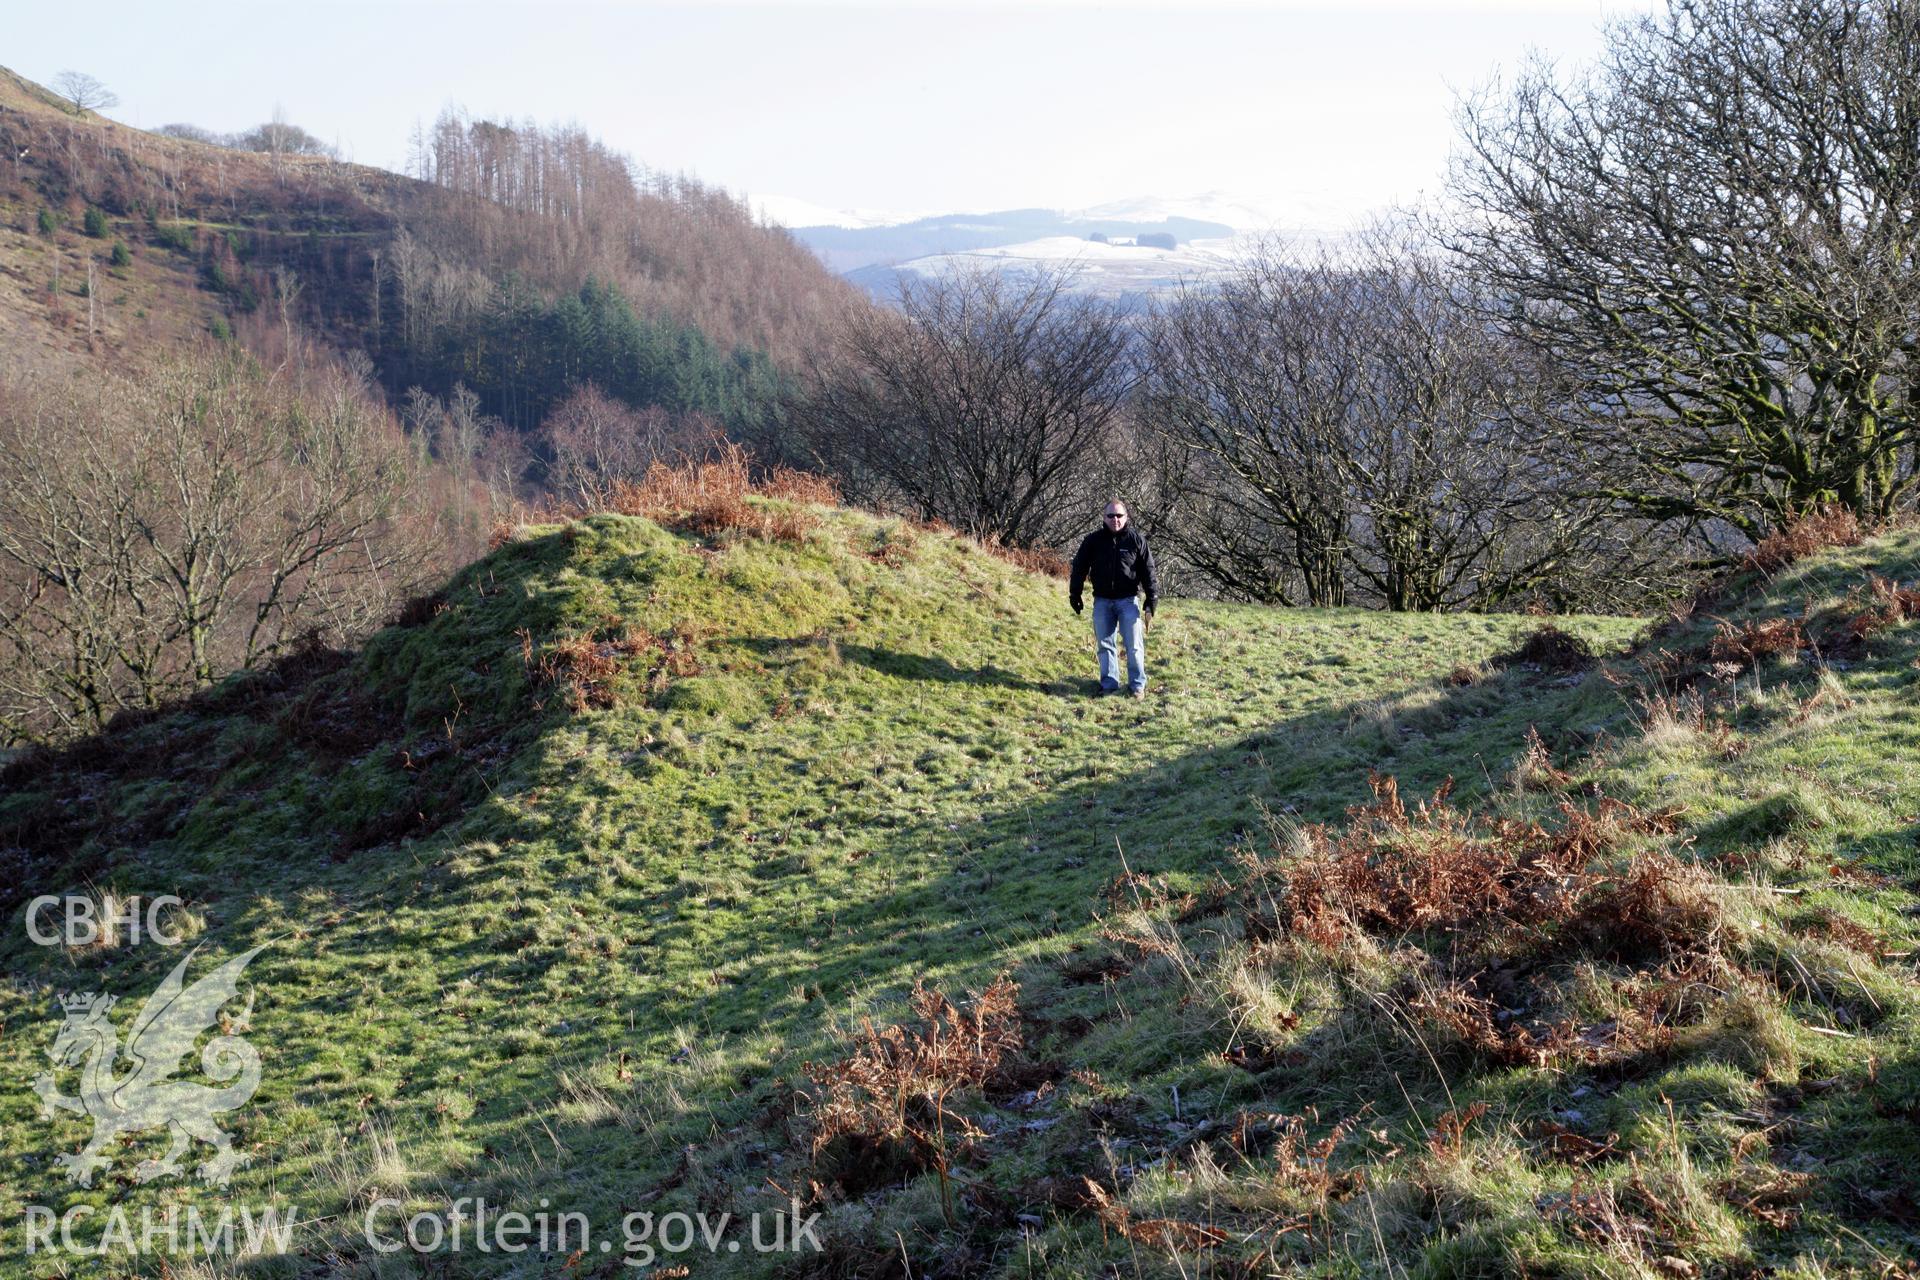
(904, 106)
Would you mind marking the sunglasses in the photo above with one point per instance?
(1116, 515)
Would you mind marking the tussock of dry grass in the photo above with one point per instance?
(1535, 770)
(584, 668)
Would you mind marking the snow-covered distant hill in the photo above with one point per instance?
(846, 247)
(1301, 212)
(791, 213)
(1211, 206)
(1210, 232)
(1125, 273)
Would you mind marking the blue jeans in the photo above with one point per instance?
(1115, 621)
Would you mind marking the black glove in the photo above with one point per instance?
(1076, 602)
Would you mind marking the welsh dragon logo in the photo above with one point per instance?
(143, 1097)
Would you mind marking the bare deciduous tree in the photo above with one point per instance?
(1715, 231)
(1360, 434)
(84, 92)
(985, 403)
(1257, 376)
(595, 442)
(79, 636)
(286, 291)
(160, 530)
(1464, 497)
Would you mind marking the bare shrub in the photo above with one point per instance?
(1887, 604)
(1499, 898)
(1550, 649)
(887, 1104)
(1801, 536)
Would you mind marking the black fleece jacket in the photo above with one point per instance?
(1120, 565)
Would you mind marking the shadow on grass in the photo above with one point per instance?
(914, 666)
(917, 667)
(373, 997)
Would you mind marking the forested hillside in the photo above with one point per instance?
(252, 398)
(519, 263)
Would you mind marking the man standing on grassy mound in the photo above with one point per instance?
(1116, 557)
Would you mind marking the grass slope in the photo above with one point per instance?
(578, 954)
